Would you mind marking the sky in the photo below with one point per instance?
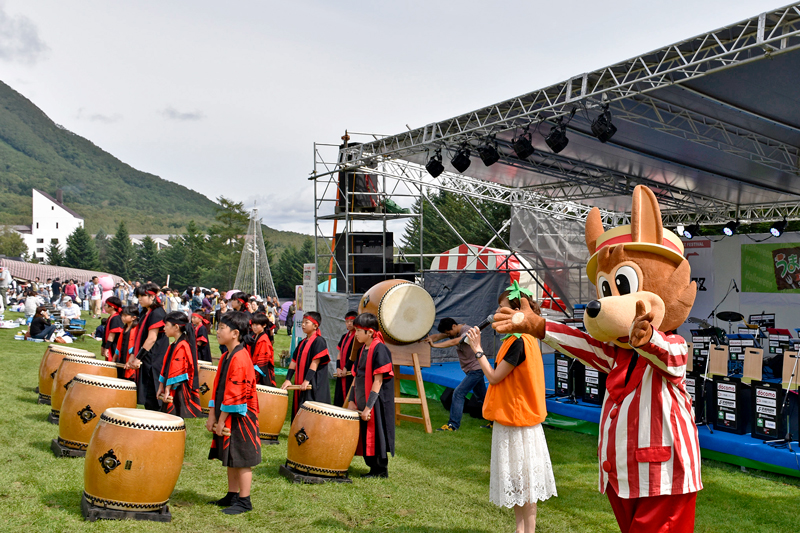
(227, 98)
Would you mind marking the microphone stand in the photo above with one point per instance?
(787, 439)
(713, 313)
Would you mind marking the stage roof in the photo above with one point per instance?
(711, 124)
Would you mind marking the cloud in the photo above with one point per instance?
(19, 39)
(291, 211)
(98, 117)
(173, 114)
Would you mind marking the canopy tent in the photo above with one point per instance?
(29, 271)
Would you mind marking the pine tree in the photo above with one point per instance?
(101, 244)
(224, 246)
(148, 264)
(54, 255)
(121, 255)
(81, 251)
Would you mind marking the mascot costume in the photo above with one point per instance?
(648, 448)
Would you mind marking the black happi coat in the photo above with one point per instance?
(201, 340)
(306, 352)
(377, 434)
(152, 362)
(343, 384)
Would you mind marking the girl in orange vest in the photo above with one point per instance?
(521, 472)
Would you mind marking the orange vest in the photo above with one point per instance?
(518, 400)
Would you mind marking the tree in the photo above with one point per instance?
(224, 246)
(185, 259)
(121, 255)
(81, 251)
(101, 243)
(12, 244)
(148, 264)
(289, 270)
(55, 256)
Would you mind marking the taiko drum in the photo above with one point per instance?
(47, 368)
(134, 459)
(205, 376)
(70, 367)
(323, 440)
(405, 311)
(86, 399)
(272, 406)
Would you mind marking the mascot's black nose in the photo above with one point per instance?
(593, 309)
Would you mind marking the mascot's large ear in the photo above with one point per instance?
(594, 228)
(646, 223)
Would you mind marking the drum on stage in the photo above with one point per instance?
(272, 406)
(70, 367)
(205, 376)
(323, 440)
(86, 399)
(47, 368)
(405, 311)
(134, 459)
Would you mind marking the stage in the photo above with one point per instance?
(740, 450)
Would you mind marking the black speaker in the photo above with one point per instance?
(371, 254)
(405, 271)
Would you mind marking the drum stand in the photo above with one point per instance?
(410, 355)
(303, 477)
(62, 451)
(93, 512)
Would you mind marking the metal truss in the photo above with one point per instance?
(771, 212)
(748, 40)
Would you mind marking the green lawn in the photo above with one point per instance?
(437, 482)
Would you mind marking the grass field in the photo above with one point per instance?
(437, 483)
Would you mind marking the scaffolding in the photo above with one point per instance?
(254, 275)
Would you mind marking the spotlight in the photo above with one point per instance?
(602, 128)
(778, 228)
(679, 229)
(730, 228)
(461, 160)
(557, 138)
(435, 166)
(488, 154)
(522, 146)
(692, 231)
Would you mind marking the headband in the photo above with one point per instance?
(311, 319)
(152, 292)
(515, 291)
(201, 317)
(113, 305)
(362, 328)
(242, 300)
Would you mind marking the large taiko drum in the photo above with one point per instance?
(70, 367)
(86, 399)
(405, 311)
(205, 376)
(134, 459)
(47, 368)
(322, 440)
(272, 406)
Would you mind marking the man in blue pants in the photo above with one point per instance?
(473, 381)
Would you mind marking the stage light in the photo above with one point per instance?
(522, 146)
(679, 229)
(778, 228)
(557, 138)
(602, 128)
(691, 231)
(435, 166)
(488, 154)
(461, 160)
(730, 228)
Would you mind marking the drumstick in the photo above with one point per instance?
(298, 387)
(225, 431)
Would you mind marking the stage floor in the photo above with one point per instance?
(741, 450)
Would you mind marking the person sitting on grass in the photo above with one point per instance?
(473, 381)
(69, 311)
(100, 330)
(233, 415)
(41, 328)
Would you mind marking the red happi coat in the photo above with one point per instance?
(114, 325)
(264, 360)
(124, 351)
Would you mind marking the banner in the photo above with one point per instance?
(771, 268)
(700, 254)
(309, 287)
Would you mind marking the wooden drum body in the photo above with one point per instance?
(205, 376)
(405, 311)
(134, 459)
(52, 357)
(323, 440)
(86, 399)
(70, 367)
(272, 406)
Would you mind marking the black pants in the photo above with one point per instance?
(151, 402)
(377, 465)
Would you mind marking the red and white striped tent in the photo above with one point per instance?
(473, 257)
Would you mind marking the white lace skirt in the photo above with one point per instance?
(521, 471)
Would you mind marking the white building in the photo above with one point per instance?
(52, 223)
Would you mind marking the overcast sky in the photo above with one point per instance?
(228, 97)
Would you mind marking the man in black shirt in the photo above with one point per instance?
(56, 288)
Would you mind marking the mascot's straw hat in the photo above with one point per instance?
(642, 216)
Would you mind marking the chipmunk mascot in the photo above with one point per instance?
(648, 448)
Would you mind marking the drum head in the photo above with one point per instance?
(104, 382)
(406, 313)
(142, 419)
(266, 389)
(86, 361)
(209, 368)
(329, 410)
(66, 350)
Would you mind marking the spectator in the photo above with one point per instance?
(290, 318)
(100, 331)
(95, 293)
(71, 290)
(55, 289)
(197, 300)
(70, 311)
(40, 327)
(5, 283)
(207, 307)
(32, 302)
(35, 284)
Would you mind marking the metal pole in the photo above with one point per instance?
(255, 253)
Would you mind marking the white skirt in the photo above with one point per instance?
(521, 471)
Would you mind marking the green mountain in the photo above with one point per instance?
(37, 152)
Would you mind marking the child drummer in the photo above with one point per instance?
(124, 349)
(344, 365)
(373, 397)
(263, 354)
(178, 382)
(309, 366)
(233, 416)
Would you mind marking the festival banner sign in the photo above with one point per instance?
(700, 254)
(772, 268)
